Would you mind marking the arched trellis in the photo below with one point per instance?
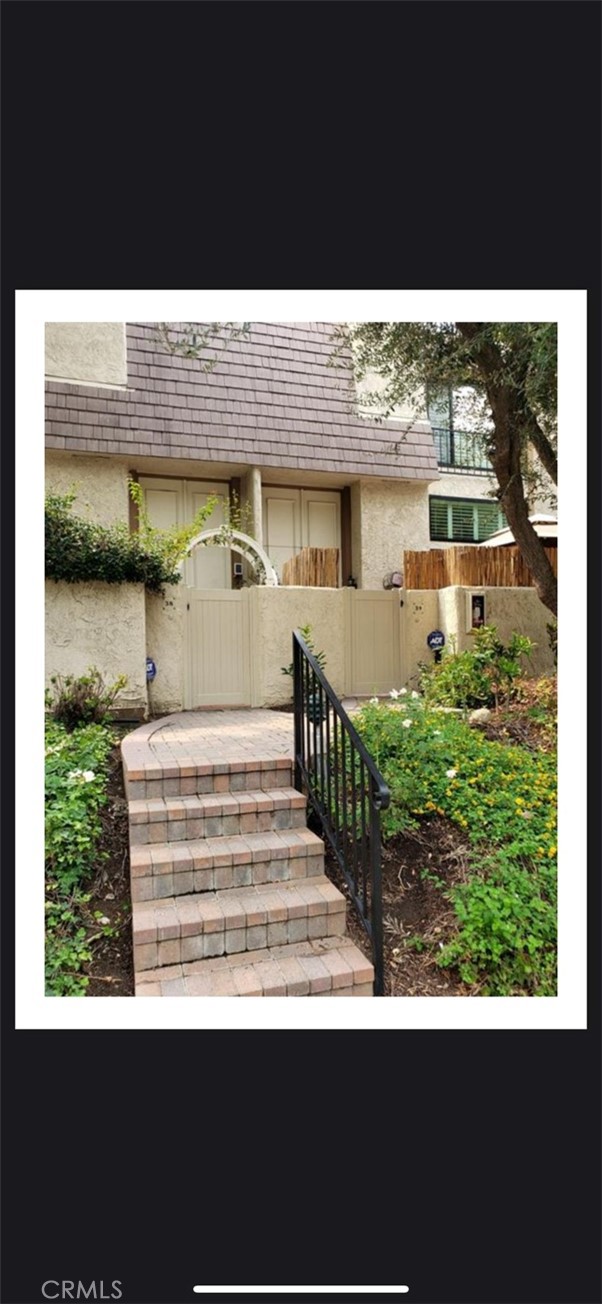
(238, 542)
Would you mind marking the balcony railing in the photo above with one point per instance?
(459, 450)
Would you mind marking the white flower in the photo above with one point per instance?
(373, 701)
(403, 691)
(406, 724)
(394, 694)
(436, 733)
(415, 694)
(451, 774)
(85, 775)
(88, 775)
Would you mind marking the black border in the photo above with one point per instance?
(468, 1164)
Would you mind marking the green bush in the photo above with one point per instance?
(479, 676)
(84, 700)
(76, 765)
(77, 550)
(504, 799)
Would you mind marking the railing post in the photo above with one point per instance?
(377, 897)
(298, 709)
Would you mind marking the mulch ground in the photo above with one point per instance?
(111, 971)
(414, 907)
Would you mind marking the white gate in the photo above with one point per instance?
(375, 644)
(217, 651)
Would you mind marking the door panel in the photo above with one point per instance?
(374, 641)
(281, 525)
(217, 652)
(175, 502)
(300, 518)
(208, 568)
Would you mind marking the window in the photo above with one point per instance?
(464, 520)
(457, 450)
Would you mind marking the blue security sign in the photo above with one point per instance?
(436, 640)
(151, 668)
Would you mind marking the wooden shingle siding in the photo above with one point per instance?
(271, 400)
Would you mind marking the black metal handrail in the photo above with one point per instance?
(345, 789)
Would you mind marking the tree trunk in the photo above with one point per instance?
(505, 458)
(510, 428)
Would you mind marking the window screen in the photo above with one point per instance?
(464, 520)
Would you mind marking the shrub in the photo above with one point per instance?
(504, 799)
(77, 550)
(76, 773)
(478, 676)
(85, 700)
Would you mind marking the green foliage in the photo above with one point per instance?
(477, 677)
(77, 550)
(306, 634)
(194, 339)
(76, 775)
(84, 700)
(503, 375)
(170, 546)
(504, 799)
(507, 935)
(552, 631)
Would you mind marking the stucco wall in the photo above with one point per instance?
(275, 614)
(165, 644)
(421, 615)
(91, 352)
(101, 485)
(511, 610)
(393, 516)
(100, 625)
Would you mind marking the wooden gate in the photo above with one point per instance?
(217, 652)
(375, 644)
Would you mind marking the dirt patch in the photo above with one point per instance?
(417, 917)
(111, 971)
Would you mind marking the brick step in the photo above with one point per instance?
(182, 929)
(191, 779)
(326, 967)
(180, 819)
(165, 869)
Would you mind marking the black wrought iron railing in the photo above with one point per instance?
(344, 788)
(459, 450)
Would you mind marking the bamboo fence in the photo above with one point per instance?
(486, 567)
(316, 568)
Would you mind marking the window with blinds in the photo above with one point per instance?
(464, 520)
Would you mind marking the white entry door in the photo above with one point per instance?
(299, 518)
(175, 502)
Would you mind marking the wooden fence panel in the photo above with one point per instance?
(482, 567)
(316, 568)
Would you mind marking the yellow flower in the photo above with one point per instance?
(552, 851)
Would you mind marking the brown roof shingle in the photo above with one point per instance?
(272, 400)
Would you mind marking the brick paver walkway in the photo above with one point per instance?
(228, 886)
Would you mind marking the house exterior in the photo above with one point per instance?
(274, 427)
(272, 422)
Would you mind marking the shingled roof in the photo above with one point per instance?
(271, 401)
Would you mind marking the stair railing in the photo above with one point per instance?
(345, 790)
